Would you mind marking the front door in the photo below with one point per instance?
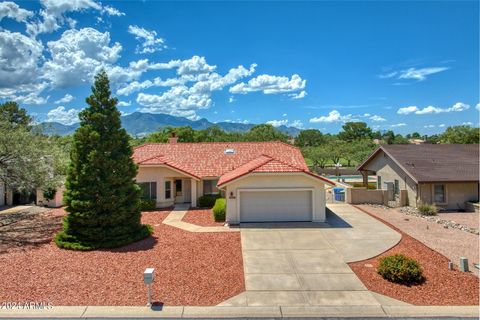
(187, 190)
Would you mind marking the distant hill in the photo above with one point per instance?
(140, 124)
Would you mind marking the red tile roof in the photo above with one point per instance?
(209, 159)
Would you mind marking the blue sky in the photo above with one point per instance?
(407, 66)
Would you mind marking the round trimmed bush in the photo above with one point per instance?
(219, 210)
(401, 269)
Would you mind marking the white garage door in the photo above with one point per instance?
(264, 206)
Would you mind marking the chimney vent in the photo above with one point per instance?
(173, 138)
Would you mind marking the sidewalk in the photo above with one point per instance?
(241, 312)
(175, 217)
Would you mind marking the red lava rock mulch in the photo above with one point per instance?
(190, 269)
(442, 286)
(201, 217)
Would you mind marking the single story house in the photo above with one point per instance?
(262, 181)
(446, 175)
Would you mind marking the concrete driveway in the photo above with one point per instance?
(305, 264)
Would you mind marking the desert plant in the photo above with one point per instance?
(401, 269)
(208, 200)
(428, 209)
(219, 209)
(101, 196)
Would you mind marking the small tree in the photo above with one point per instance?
(101, 197)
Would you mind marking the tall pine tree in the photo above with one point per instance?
(101, 197)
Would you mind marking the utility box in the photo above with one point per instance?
(148, 275)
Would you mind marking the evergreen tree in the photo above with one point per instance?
(101, 197)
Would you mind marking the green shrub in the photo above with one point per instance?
(208, 200)
(147, 204)
(428, 209)
(400, 269)
(219, 209)
(49, 193)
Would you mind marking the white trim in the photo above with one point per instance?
(275, 174)
(312, 190)
(168, 167)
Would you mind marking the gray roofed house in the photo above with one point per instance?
(446, 175)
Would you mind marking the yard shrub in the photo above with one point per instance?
(428, 209)
(219, 209)
(401, 269)
(147, 204)
(208, 200)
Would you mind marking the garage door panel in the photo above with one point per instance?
(258, 206)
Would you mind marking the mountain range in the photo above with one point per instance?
(139, 124)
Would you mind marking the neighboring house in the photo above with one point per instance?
(446, 175)
(262, 181)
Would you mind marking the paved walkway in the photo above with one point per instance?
(14, 209)
(175, 217)
(305, 264)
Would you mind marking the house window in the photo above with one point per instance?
(210, 186)
(396, 187)
(168, 189)
(149, 190)
(439, 193)
(379, 183)
(178, 187)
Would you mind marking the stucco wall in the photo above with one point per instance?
(160, 175)
(456, 194)
(276, 181)
(358, 196)
(56, 202)
(386, 168)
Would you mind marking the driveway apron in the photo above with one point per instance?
(305, 264)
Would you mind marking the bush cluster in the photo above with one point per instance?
(401, 269)
(208, 200)
(219, 209)
(428, 209)
(147, 204)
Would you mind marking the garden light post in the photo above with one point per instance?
(148, 279)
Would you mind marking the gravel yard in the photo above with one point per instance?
(191, 269)
(201, 217)
(452, 243)
(442, 286)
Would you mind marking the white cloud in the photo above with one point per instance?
(124, 103)
(441, 125)
(111, 11)
(54, 14)
(231, 100)
(300, 95)
(457, 107)
(468, 123)
(297, 124)
(78, 55)
(284, 115)
(477, 106)
(429, 126)
(377, 118)
(25, 93)
(13, 11)
(333, 116)
(407, 110)
(398, 125)
(429, 110)
(19, 59)
(272, 85)
(277, 123)
(150, 43)
(63, 116)
(413, 73)
(66, 99)
(183, 100)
